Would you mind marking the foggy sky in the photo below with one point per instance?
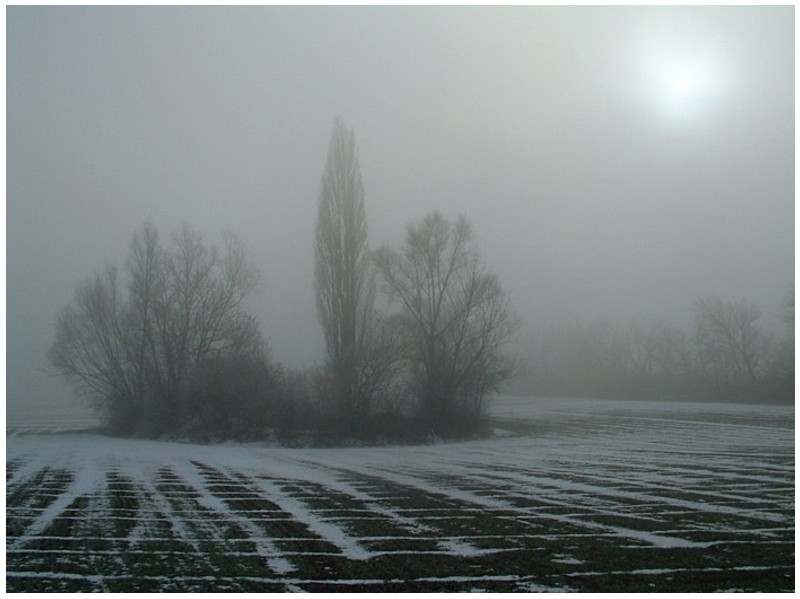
(595, 188)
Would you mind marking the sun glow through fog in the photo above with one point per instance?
(681, 83)
(683, 86)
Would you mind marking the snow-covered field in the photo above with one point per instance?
(570, 495)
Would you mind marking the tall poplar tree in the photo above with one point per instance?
(344, 286)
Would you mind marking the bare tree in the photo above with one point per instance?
(380, 364)
(146, 283)
(729, 342)
(92, 348)
(672, 354)
(344, 285)
(457, 316)
(134, 356)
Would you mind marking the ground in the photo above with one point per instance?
(570, 495)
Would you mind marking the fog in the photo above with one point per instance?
(615, 163)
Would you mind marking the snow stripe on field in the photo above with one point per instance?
(190, 474)
(326, 530)
(288, 581)
(538, 481)
(497, 504)
(662, 571)
(584, 491)
(85, 481)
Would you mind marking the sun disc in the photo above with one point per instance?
(683, 86)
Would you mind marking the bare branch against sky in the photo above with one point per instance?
(615, 162)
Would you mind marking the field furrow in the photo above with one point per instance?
(631, 497)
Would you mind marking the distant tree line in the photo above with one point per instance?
(165, 348)
(726, 356)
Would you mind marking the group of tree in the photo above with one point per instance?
(726, 355)
(415, 338)
(434, 359)
(165, 348)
